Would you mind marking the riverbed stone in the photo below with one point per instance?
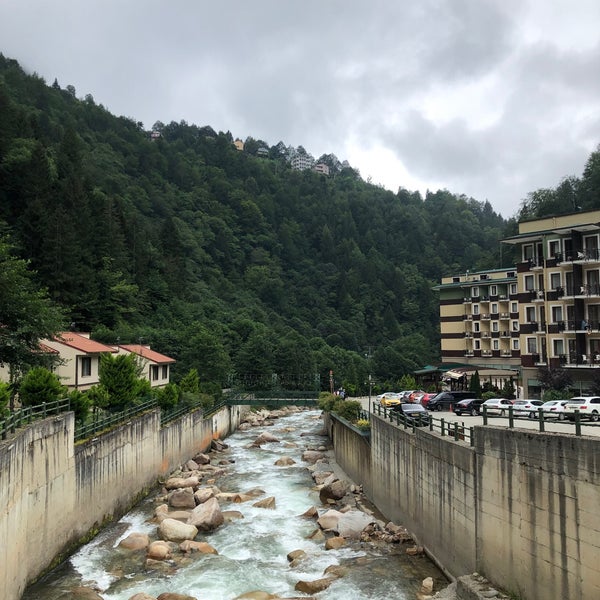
(159, 550)
(181, 482)
(296, 554)
(311, 512)
(351, 523)
(329, 520)
(286, 461)
(176, 531)
(135, 541)
(266, 438)
(207, 516)
(182, 498)
(312, 456)
(203, 494)
(174, 596)
(191, 546)
(333, 491)
(142, 596)
(268, 502)
(315, 586)
(333, 543)
(232, 515)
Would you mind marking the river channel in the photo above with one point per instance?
(252, 551)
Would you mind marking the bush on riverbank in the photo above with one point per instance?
(347, 409)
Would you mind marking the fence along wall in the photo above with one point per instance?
(53, 493)
(520, 507)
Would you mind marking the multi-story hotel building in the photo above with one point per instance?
(558, 280)
(479, 319)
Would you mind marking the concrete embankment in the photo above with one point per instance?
(519, 507)
(55, 493)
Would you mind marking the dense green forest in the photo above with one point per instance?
(231, 263)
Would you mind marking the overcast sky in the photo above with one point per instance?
(488, 98)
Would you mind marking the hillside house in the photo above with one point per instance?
(156, 367)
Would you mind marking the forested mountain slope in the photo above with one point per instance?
(226, 261)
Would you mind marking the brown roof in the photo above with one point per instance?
(81, 342)
(147, 353)
(45, 349)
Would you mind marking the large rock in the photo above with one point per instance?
(182, 482)
(142, 596)
(207, 516)
(189, 546)
(314, 587)
(329, 520)
(203, 494)
(173, 596)
(159, 550)
(286, 461)
(351, 523)
(175, 531)
(334, 543)
(266, 503)
(312, 456)
(182, 498)
(333, 491)
(135, 541)
(201, 459)
(265, 438)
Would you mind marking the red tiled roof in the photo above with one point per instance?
(44, 349)
(81, 342)
(146, 353)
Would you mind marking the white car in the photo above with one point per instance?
(526, 408)
(554, 409)
(588, 407)
(496, 406)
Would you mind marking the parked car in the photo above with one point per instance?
(427, 397)
(588, 407)
(496, 406)
(388, 399)
(470, 406)
(416, 396)
(526, 408)
(445, 400)
(554, 409)
(414, 413)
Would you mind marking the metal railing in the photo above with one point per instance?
(27, 414)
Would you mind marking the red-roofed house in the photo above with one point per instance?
(80, 359)
(156, 366)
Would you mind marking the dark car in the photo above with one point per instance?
(470, 406)
(413, 413)
(446, 400)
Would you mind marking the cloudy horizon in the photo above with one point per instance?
(491, 99)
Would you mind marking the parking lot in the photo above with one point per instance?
(550, 425)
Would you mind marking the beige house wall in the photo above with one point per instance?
(69, 369)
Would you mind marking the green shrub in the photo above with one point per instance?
(80, 403)
(327, 401)
(348, 409)
(4, 398)
(40, 385)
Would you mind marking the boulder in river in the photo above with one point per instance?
(207, 516)
(135, 541)
(182, 498)
(176, 531)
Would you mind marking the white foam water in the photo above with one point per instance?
(252, 551)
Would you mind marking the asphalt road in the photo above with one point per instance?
(587, 428)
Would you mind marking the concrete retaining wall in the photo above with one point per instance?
(53, 493)
(520, 507)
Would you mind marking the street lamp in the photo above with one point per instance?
(370, 388)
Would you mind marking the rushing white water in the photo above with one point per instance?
(253, 550)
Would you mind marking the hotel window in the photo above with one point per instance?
(515, 325)
(86, 366)
(527, 252)
(474, 292)
(475, 309)
(514, 307)
(493, 290)
(513, 288)
(531, 345)
(554, 281)
(477, 345)
(557, 314)
(530, 314)
(529, 282)
(495, 326)
(515, 344)
(495, 345)
(559, 347)
(494, 308)
(476, 326)
(554, 248)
